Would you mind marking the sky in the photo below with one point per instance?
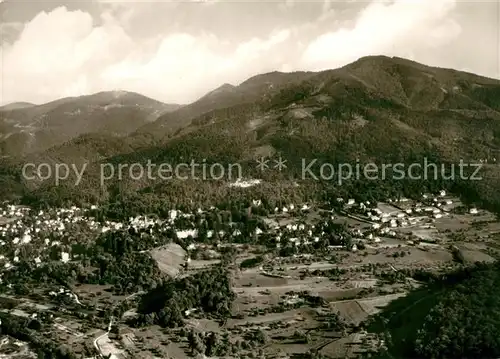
(176, 51)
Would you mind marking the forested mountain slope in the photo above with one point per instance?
(377, 109)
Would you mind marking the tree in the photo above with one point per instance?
(261, 337)
(195, 342)
(35, 324)
(212, 344)
(115, 329)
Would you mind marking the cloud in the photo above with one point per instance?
(185, 67)
(63, 53)
(57, 53)
(70, 53)
(391, 28)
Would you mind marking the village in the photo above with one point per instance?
(306, 276)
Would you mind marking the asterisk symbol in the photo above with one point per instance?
(280, 164)
(262, 164)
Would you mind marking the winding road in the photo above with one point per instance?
(96, 340)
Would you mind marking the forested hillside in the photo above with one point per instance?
(376, 110)
(455, 316)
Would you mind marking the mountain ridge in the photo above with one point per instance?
(376, 109)
(39, 127)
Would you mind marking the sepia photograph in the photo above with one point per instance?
(236, 179)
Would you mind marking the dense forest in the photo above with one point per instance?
(455, 316)
(123, 202)
(209, 291)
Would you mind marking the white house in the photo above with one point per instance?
(64, 257)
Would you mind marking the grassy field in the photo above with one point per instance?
(170, 258)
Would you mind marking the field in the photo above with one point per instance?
(256, 290)
(170, 258)
(317, 300)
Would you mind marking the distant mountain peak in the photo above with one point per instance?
(274, 78)
(16, 106)
(115, 112)
(113, 94)
(225, 88)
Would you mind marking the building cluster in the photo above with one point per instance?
(51, 234)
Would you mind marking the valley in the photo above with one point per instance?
(304, 279)
(270, 264)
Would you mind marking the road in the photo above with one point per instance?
(134, 295)
(96, 340)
